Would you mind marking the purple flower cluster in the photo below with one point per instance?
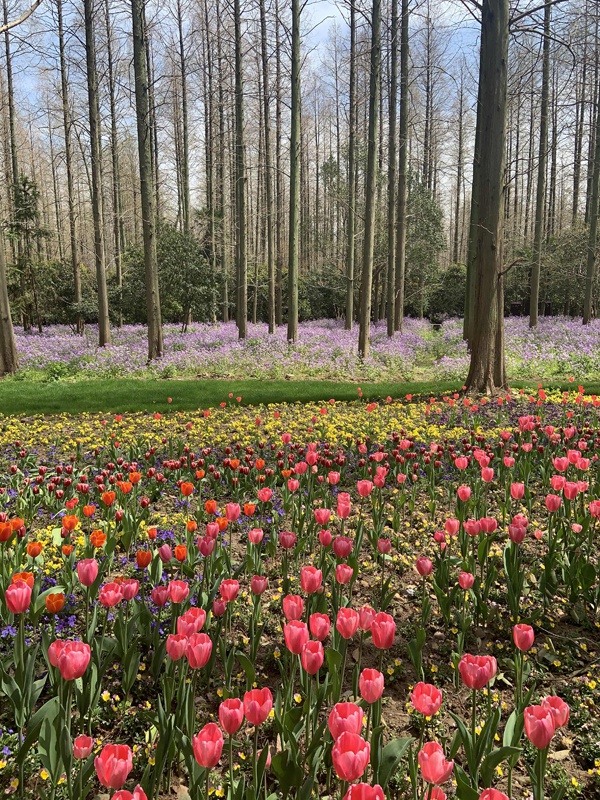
(558, 347)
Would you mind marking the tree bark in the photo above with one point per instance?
(371, 180)
(9, 361)
(293, 233)
(402, 172)
(486, 372)
(540, 197)
(268, 167)
(240, 182)
(391, 221)
(351, 222)
(185, 151)
(96, 173)
(593, 231)
(142, 108)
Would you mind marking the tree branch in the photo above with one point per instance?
(21, 19)
(531, 11)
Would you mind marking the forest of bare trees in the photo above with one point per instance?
(301, 159)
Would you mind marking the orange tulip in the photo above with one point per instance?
(125, 486)
(191, 525)
(26, 577)
(234, 463)
(286, 473)
(180, 552)
(34, 549)
(187, 488)
(17, 523)
(143, 558)
(55, 602)
(5, 532)
(210, 506)
(249, 509)
(259, 463)
(200, 473)
(89, 511)
(98, 538)
(108, 498)
(222, 523)
(67, 549)
(135, 477)
(70, 522)
(152, 533)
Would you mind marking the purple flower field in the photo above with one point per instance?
(558, 348)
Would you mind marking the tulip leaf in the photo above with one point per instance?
(493, 759)
(464, 790)
(287, 770)
(248, 668)
(48, 711)
(391, 757)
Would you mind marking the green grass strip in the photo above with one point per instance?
(129, 394)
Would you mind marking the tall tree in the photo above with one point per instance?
(9, 361)
(241, 257)
(540, 197)
(185, 140)
(401, 221)
(293, 233)
(487, 370)
(142, 111)
(351, 221)
(268, 166)
(593, 230)
(371, 180)
(391, 220)
(96, 172)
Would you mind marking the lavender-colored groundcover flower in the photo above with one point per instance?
(558, 347)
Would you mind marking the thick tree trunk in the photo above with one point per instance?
(486, 372)
(402, 172)
(391, 220)
(593, 232)
(540, 197)
(278, 179)
(351, 221)
(473, 232)
(293, 233)
(9, 361)
(268, 167)
(142, 108)
(221, 171)
(185, 150)
(96, 170)
(459, 171)
(240, 182)
(370, 188)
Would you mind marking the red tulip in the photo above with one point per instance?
(296, 635)
(452, 526)
(138, 794)
(229, 589)
(258, 584)
(311, 656)
(472, 527)
(287, 539)
(350, 756)
(383, 631)
(424, 566)
(463, 492)
(487, 474)
(466, 580)
(426, 699)
(208, 745)
(232, 513)
(18, 597)
(325, 537)
(178, 591)
(311, 579)
(322, 516)
(160, 595)
(342, 546)
(198, 650)
(366, 615)
(320, 625)
(176, 645)
(553, 502)
(347, 622)
(231, 715)
(517, 490)
(345, 717)
(364, 791)
(344, 574)
(113, 765)
(434, 767)
(82, 746)
(477, 671)
(111, 594)
(255, 536)
(219, 607)
(523, 637)
(539, 725)
(257, 705)
(87, 571)
(370, 684)
(493, 794)
(560, 710)
(488, 524)
(130, 588)
(165, 553)
(293, 607)
(364, 488)
(73, 660)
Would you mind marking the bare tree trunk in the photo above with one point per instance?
(142, 108)
(9, 361)
(96, 169)
(391, 220)
(468, 320)
(540, 198)
(580, 119)
(593, 233)
(221, 171)
(402, 169)
(370, 188)
(351, 222)
(240, 182)
(593, 113)
(268, 167)
(278, 179)
(185, 151)
(459, 171)
(293, 233)
(486, 371)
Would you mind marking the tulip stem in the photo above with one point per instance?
(474, 716)
(231, 764)
(255, 760)
(207, 783)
